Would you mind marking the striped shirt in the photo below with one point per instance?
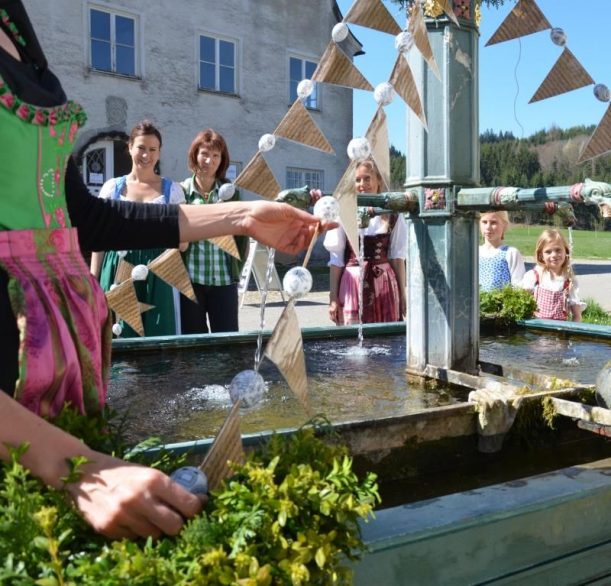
(207, 264)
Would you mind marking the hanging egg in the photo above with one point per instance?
(327, 208)
(267, 142)
(226, 191)
(121, 253)
(117, 329)
(297, 282)
(305, 88)
(340, 32)
(247, 386)
(384, 94)
(404, 41)
(140, 273)
(602, 93)
(191, 478)
(359, 149)
(558, 37)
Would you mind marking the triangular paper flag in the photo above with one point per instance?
(345, 194)
(226, 243)
(524, 19)
(299, 126)
(448, 8)
(372, 14)
(402, 80)
(123, 301)
(124, 271)
(169, 267)
(377, 135)
(600, 141)
(566, 75)
(258, 178)
(417, 28)
(144, 307)
(227, 447)
(335, 68)
(285, 350)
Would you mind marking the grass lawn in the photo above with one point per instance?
(586, 244)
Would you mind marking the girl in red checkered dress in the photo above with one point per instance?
(552, 281)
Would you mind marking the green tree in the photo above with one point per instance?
(397, 169)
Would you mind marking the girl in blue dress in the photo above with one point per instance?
(499, 264)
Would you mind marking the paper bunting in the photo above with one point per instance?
(372, 14)
(169, 267)
(402, 80)
(124, 271)
(600, 141)
(226, 243)
(258, 178)
(377, 135)
(299, 126)
(525, 19)
(227, 447)
(417, 28)
(335, 68)
(285, 350)
(345, 194)
(144, 307)
(566, 75)
(448, 8)
(123, 301)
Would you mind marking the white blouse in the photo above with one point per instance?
(335, 240)
(177, 195)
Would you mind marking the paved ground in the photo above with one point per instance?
(594, 282)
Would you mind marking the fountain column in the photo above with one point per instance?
(442, 266)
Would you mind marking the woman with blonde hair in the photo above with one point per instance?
(383, 271)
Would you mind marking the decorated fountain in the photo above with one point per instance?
(439, 82)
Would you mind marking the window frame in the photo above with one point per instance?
(114, 12)
(302, 171)
(317, 93)
(218, 38)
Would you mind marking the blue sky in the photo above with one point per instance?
(503, 100)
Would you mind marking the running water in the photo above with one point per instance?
(271, 253)
(571, 358)
(361, 285)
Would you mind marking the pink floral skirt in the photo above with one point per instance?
(380, 295)
(63, 321)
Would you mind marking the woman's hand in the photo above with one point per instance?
(334, 310)
(282, 226)
(123, 500)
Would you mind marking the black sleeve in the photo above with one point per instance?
(104, 224)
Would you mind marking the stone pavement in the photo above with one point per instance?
(594, 278)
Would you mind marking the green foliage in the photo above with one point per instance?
(595, 314)
(397, 169)
(507, 305)
(289, 515)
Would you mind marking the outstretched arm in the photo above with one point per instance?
(278, 225)
(116, 498)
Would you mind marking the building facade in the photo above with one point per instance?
(192, 64)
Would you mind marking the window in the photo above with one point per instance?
(217, 65)
(233, 170)
(296, 177)
(112, 42)
(302, 69)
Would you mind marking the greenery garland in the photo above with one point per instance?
(409, 3)
(288, 516)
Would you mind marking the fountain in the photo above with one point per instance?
(530, 528)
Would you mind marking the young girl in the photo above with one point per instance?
(499, 264)
(552, 281)
(384, 266)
